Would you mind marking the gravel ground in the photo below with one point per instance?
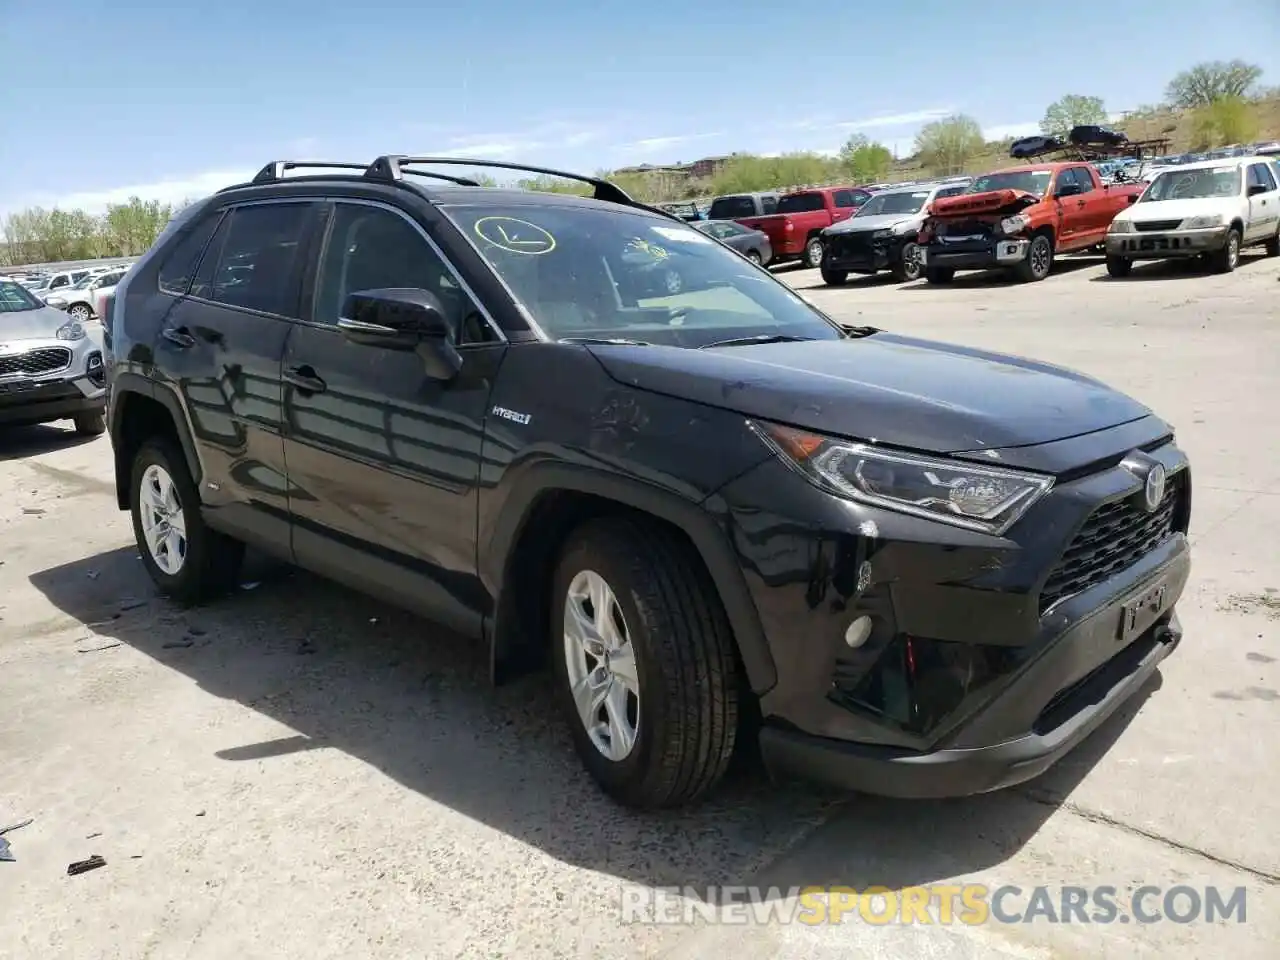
(293, 772)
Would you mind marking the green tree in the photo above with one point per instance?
(131, 228)
(1072, 110)
(1206, 82)
(864, 160)
(1228, 119)
(945, 146)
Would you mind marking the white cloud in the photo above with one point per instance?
(897, 119)
(657, 143)
(487, 150)
(166, 191)
(1001, 131)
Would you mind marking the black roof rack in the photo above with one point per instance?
(391, 168)
(1087, 153)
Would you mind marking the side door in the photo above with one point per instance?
(1071, 189)
(220, 346)
(1264, 207)
(384, 461)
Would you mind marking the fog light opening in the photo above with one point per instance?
(858, 633)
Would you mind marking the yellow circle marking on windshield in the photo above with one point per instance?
(515, 236)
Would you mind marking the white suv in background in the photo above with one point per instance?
(1211, 209)
(84, 300)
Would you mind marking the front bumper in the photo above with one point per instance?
(1166, 244)
(975, 254)
(861, 252)
(1014, 645)
(30, 394)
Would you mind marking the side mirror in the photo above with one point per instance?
(1256, 188)
(1133, 198)
(1068, 190)
(403, 318)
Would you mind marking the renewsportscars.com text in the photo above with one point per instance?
(969, 904)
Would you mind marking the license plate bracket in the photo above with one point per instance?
(1141, 611)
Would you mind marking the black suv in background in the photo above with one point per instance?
(920, 569)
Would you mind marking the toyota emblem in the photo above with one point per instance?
(1153, 492)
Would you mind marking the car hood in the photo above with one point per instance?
(39, 324)
(861, 224)
(1179, 209)
(999, 202)
(900, 391)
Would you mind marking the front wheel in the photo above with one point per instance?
(80, 312)
(644, 658)
(188, 561)
(754, 257)
(1228, 258)
(1119, 266)
(1039, 260)
(90, 424)
(813, 252)
(908, 268)
(834, 278)
(939, 274)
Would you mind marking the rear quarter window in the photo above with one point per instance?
(179, 265)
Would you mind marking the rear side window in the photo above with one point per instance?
(801, 203)
(252, 261)
(180, 265)
(727, 208)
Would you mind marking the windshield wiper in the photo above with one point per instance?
(748, 341)
(616, 341)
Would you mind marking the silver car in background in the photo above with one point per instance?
(83, 300)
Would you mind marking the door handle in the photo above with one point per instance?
(179, 336)
(305, 379)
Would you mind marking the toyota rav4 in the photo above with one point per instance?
(900, 566)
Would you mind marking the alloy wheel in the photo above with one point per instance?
(164, 525)
(601, 663)
(79, 313)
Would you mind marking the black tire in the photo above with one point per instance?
(1272, 246)
(908, 268)
(939, 274)
(1228, 258)
(80, 312)
(685, 664)
(212, 560)
(754, 257)
(834, 278)
(812, 256)
(90, 424)
(1119, 266)
(1039, 261)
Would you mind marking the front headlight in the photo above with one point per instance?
(1120, 226)
(1202, 223)
(964, 495)
(71, 331)
(1015, 224)
(881, 234)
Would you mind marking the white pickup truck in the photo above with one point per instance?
(1212, 209)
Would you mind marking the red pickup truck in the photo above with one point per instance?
(795, 231)
(1019, 219)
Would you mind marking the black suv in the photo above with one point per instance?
(905, 567)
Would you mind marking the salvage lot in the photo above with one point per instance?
(295, 772)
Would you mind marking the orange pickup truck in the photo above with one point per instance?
(1020, 219)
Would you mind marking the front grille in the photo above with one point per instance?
(1146, 226)
(1115, 537)
(967, 228)
(850, 244)
(42, 360)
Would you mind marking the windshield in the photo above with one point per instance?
(727, 208)
(84, 282)
(1032, 181)
(801, 203)
(14, 297)
(593, 273)
(883, 203)
(1195, 184)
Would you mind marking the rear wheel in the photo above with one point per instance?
(80, 312)
(813, 252)
(645, 664)
(754, 257)
(939, 274)
(1039, 260)
(834, 278)
(1272, 245)
(1228, 258)
(189, 561)
(1119, 266)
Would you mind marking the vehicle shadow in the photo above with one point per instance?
(855, 282)
(17, 443)
(347, 673)
(1176, 269)
(983, 279)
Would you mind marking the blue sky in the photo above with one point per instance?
(103, 99)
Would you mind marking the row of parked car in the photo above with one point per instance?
(1020, 219)
(81, 293)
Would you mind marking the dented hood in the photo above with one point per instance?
(1001, 202)
(901, 391)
